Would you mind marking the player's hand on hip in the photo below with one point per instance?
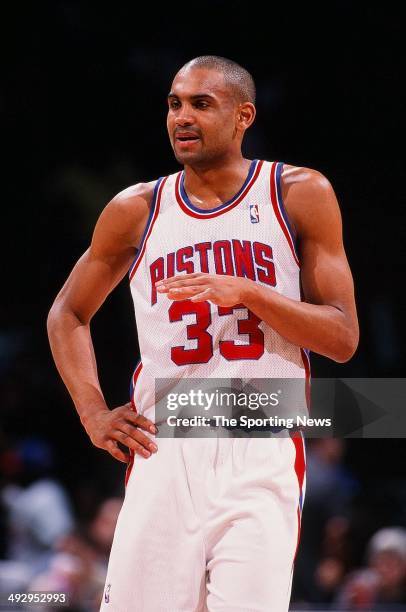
(220, 289)
(123, 425)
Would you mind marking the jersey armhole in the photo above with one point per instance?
(153, 213)
(280, 209)
(279, 171)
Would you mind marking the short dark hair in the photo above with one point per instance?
(235, 76)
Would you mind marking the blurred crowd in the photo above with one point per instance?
(49, 547)
(346, 561)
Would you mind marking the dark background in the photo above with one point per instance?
(83, 107)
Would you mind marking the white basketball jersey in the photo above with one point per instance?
(248, 236)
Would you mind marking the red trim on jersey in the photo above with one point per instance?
(158, 202)
(299, 528)
(306, 363)
(278, 214)
(298, 441)
(232, 204)
(134, 382)
(300, 469)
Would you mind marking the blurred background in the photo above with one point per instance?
(83, 109)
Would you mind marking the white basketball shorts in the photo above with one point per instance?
(208, 525)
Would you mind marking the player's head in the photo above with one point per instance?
(211, 104)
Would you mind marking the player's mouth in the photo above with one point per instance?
(186, 139)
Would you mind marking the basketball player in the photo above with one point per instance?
(218, 256)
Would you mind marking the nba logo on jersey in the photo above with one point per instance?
(254, 213)
(107, 593)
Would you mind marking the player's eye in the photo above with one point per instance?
(201, 104)
(174, 104)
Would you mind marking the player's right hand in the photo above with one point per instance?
(108, 428)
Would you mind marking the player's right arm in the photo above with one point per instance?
(116, 237)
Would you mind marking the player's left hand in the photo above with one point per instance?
(222, 290)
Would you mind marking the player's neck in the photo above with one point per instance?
(216, 183)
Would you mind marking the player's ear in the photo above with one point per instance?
(246, 115)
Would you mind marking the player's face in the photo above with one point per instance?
(202, 117)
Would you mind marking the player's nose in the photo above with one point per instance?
(184, 117)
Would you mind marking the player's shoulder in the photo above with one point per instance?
(304, 187)
(304, 178)
(308, 197)
(132, 203)
(135, 195)
(127, 212)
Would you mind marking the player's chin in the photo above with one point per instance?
(188, 157)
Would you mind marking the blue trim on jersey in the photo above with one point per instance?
(205, 211)
(131, 385)
(150, 217)
(301, 501)
(279, 169)
(131, 380)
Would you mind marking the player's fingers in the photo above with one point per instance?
(129, 441)
(183, 282)
(137, 435)
(142, 422)
(113, 449)
(201, 297)
(183, 292)
(169, 287)
(188, 282)
(191, 289)
(178, 277)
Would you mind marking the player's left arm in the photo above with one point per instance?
(326, 322)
